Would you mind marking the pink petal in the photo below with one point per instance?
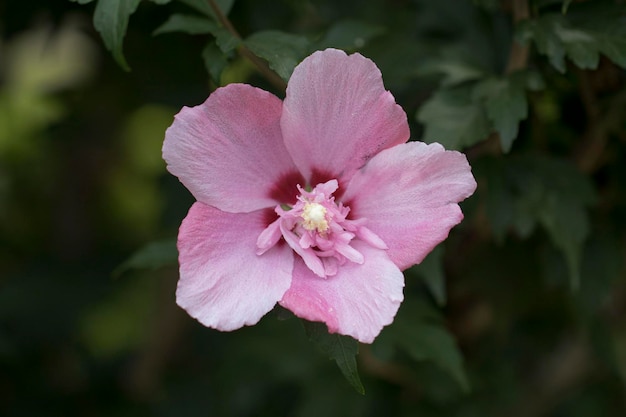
(269, 237)
(409, 196)
(223, 283)
(337, 115)
(358, 301)
(229, 151)
(307, 255)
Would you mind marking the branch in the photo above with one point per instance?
(518, 57)
(602, 122)
(261, 65)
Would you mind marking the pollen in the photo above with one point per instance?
(314, 216)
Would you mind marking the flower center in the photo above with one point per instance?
(316, 229)
(314, 216)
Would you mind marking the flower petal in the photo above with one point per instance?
(223, 283)
(358, 301)
(409, 196)
(337, 115)
(229, 151)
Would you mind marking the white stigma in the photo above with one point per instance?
(314, 216)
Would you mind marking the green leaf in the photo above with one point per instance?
(193, 25)
(225, 40)
(419, 330)
(204, 7)
(568, 226)
(562, 195)
(155, 255)
(424, 341)
(81, 1)
(214, 61)
(431, 271)
(453, 118)
(530, 190)
(463, 112)
(582, 35)
(111, 20)
(283, 51)
(505, 104)
(453, 72)
(349, 35)
(341, 349)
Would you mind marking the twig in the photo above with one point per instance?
(518, 57)
(601, 123)
(260, 64)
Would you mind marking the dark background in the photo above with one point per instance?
(83, 186)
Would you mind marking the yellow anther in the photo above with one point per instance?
(314, 216)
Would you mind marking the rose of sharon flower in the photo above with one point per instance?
(316, 203)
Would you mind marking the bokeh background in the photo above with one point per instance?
(522, 312)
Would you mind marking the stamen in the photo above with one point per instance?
(316, 228)
(314, 216)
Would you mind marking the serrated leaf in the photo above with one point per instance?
(549, 192)
(349, 35)
(152, 256)
(431, 342)
(453, 72)
(419, 331)
(341, 349)
(546, 41)
(225, 40)
(432, 273)
(452, 118)
(214, 61)
(193, 25)
(283, 51)
(582, 35)
(567, 225)
(204, 7)
(579, 46)
(111, 20)
(505, 104)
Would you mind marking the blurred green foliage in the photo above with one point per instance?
(519, 313)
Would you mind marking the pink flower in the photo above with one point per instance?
(316, 203)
